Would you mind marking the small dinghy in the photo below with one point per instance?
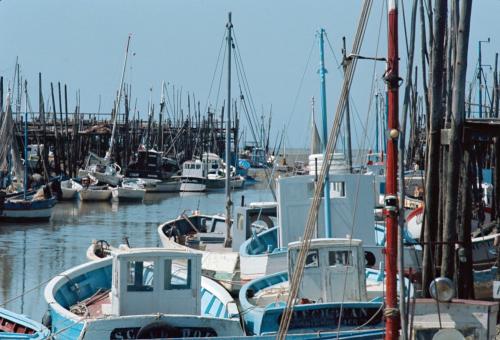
(140, 294)
(335, 293)
(129, 190)
(70, 189)
(92, 191)
(19, 327)
(205, 234)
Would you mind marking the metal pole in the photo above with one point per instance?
(229, 203)
(322, 74)
(391, 210)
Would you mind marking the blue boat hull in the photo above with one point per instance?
(19, 210)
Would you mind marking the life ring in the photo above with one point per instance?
(158, 330)
(264, 218)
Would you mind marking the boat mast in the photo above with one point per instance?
(25, 184)
(229, 203)
(322, 75)
(117, 103)
(347, 115)
(391, 212)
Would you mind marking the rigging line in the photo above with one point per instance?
(220, 78)
(246, 89)
(301, 83)
(247, 85)
(215, 70)
(332, 141)
(241, 82)
(245, 110)
(333, 52)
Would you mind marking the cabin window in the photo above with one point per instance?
(176, 276)
(341, 257)
(337, 189)
(198, 166)
(312, 259)
(139, 277)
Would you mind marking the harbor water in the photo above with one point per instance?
(32, 254)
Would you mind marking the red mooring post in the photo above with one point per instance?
(391, 219)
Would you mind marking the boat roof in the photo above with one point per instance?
(327, 242)
(133, 252)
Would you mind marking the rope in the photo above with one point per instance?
(3, 304)
(313, 211)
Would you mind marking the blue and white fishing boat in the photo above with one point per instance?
(19, 327)
(335, 293)
(140, 294)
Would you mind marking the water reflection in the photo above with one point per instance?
(32, 254)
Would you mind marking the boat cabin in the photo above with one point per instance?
(352, 201)
(334, 270)
(148, 281)
(194, 169)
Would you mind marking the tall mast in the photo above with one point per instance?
(322, 75)
(347, 116)
(391, 210)
(25, 184)
(117, 103)
(229, 203)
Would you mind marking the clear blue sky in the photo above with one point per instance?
(81, 43)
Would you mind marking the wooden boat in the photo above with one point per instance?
(140, 293)
(335, 293)
(19, 327)
(70, 189)
(35, 207)
(151, 165)
(129, 190)
(25, 206)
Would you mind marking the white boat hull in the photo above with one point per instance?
(95, 195)
(193, 187)
(128, 194)
(173, 186)
(237, 183)
(256, 266)
(68, 194)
